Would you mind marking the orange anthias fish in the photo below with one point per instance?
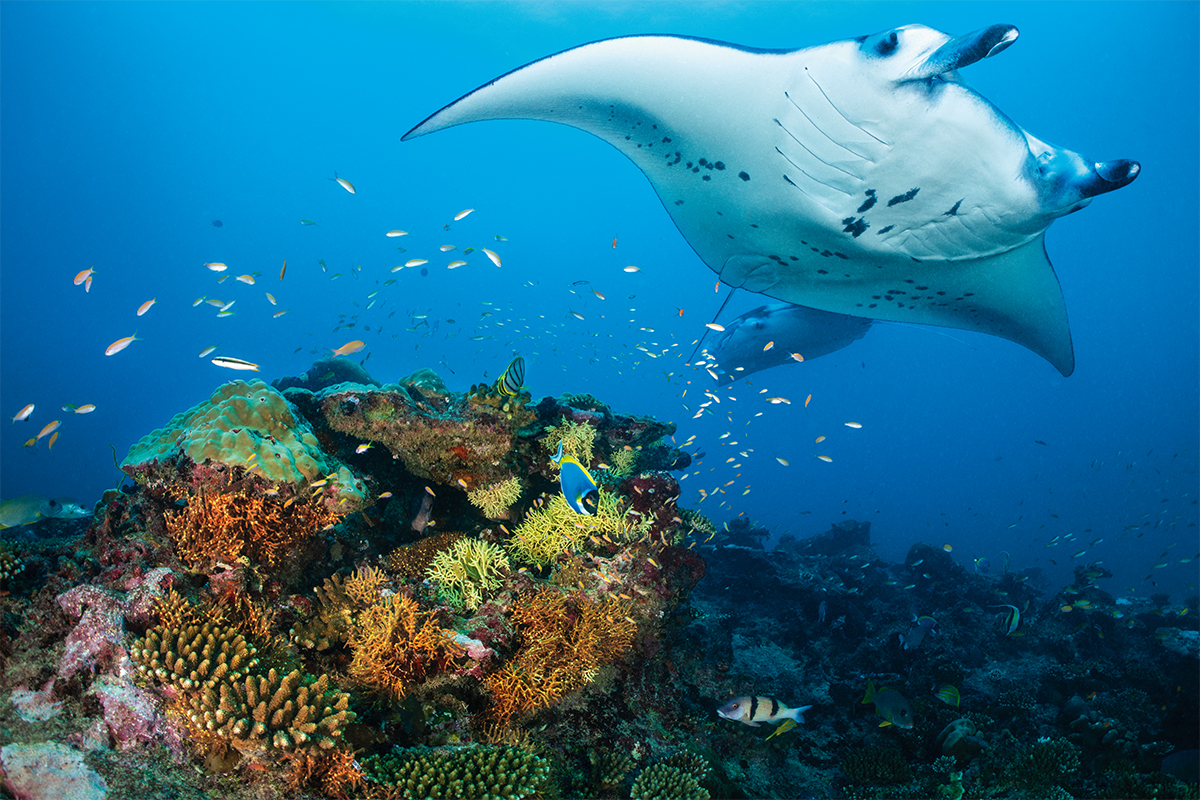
(49, 429)
(24, 413)
(349, 348)
(84, 275)
(121, 344)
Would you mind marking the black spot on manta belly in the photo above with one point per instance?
(855, 227)
(870, 201)
(744, 176)
(903, 198)
(882, 231)
(954, 210)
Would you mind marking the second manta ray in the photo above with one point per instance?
(773, 335)
(862, 177)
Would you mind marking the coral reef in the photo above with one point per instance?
(221, 629)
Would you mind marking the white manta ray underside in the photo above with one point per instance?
(861, 177)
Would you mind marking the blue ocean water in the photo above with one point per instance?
(127, 129)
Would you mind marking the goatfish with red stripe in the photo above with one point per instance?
(754, 711)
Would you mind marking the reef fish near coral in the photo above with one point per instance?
(30, 508)
(889, 704)
(917, 632)
(513, 378)
(577, 484)
(754, 711)
(861, 177)
(767, 336)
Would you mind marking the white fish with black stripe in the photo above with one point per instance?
(753, 711)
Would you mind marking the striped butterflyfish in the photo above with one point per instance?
(753, 711)
(513, 379)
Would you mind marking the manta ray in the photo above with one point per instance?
(773, 335)
(862, 177)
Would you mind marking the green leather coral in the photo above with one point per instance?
(469, 773)
(468, 568)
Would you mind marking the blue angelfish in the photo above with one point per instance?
(578, 486)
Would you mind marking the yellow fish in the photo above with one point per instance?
(24, 413)
(85, 275)
(345, 184)
(144, 307)
(349, 348)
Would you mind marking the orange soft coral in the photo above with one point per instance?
(396, 646)
(225, 527)
(563, 643)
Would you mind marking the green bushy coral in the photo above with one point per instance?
(556, 528)
(609, 768)
(468, 569)
(463, 773)
(494, 499)
(577, 438)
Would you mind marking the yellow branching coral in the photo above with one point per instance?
(555, 528)
(623, 463)
(469, 568)
(363, 587)
(577, 439)
(563, 643)
(396, 646)
(495, 499)
(224, 527)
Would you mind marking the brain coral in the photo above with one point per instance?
(247, 425)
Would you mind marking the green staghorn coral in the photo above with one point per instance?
(469, 568)
(577, 439)
(459, 772)
(555, 528)
(194, 656)
(493, 500)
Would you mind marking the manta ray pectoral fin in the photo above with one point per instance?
(962, 51)
(1014, 295)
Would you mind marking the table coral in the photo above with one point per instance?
(665, 782)
(494, 500)
(194, 656)
(474, 771)
(469, 568)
